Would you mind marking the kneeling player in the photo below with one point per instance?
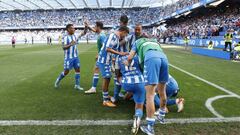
(133, 82)
(172, 90)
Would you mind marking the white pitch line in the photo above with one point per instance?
(108, 122)
(210, 83)
(208, 103)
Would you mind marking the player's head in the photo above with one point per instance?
(123, 20)
(138, 30)
(98, 26)
(123, 31)
(70, 29)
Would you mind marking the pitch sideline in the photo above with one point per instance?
(108, 122)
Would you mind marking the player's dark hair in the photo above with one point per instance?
(99, 24)
(124, 19)
(68, 26)
(124, 28)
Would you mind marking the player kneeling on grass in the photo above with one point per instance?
(172, 90)
(104, 62)
(133, 82)
(155, 75)
(71, 60)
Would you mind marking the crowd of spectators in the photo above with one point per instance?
(109, 16)
(180, 4)
(63, 17)
(213, 24)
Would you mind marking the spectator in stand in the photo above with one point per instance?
(62, 17)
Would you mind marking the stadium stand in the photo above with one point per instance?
(61, 17)
(214, 24)
(204, 24)
(179, 23)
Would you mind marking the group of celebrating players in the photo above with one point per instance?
(139, 65)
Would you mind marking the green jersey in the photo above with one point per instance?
(143, 45)
(100, 40)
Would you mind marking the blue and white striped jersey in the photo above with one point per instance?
(71, 52)
(130, 74)
(125, 48)
(112, 41)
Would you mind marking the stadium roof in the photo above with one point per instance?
(6, 5)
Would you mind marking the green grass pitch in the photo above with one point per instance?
(28, 73)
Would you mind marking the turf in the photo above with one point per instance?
(222, 72)
(27, 75)
(173, 129)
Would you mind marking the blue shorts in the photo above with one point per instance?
(96, 64)
(71, 63)
(155, 71)
(105, 70)
(138, 91)
(171, 91)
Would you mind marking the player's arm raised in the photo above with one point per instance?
(90, 28)
(84, 32)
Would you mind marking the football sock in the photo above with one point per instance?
(61, 76)
(139, 113)
(95, 80)
(105, 96)
(77, 78)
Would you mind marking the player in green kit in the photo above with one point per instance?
(101, 38)
(155, 70)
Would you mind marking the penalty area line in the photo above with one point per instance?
(109, 122)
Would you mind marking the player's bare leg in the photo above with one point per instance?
(163, 100)
(150, 107)
(150, 93)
